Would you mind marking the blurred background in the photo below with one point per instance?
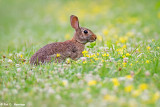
(26, 23)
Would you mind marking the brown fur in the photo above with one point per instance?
(68, 49)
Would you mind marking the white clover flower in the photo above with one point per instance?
(58, 97)
(1, 60)
(147, 73)
(73, 95)
(5, 90)
(40, 68)
(125, 59)
(104, 91)
(29, 104)
(65, 82)
(17, 65)
(17, 86)
(97, 77)
(103, 48)
(145, 96)
(80, 83)
(6, 72)
(50, 91)
(10, 54)
(122, 101)
(88, 77)
(30, 73)
(73, 85)
(79, 75)
(39, 80)
(83, 58)
(14, 91)
(112, 59)
(121, 78)
(23, 81)
(18, 69)
(132, 73)
(10, 61)
(68, 60)
(132, 102)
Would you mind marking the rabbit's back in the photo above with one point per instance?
(67, 49)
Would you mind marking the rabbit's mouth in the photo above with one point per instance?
(92, 38)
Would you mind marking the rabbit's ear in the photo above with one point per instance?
(74, 22)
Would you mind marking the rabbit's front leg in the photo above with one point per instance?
(73, 53)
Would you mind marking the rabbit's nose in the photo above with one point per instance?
(95, 37)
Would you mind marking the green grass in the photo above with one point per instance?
(125, 73)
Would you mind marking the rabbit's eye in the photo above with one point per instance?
(85, 31)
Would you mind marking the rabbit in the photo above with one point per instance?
(59, 51)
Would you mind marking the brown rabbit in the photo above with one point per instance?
(59, 51)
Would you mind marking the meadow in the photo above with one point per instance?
(122, 68)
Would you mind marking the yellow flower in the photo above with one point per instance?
(122, 39)
(158, 15)
(127, 54)
(67, 36)
(91, 60)
(129, 34)
(68, 60)
(105, 32)
(104, 54)
(65, 82)
(97, 54)
(84, 62)
(110, 98)
(84, 52)
(157, 47)
(92, 82)
(124, 46)
(107, 54)
(124, 64)
(133, 20)
(93, 55)
(136, 93)
(115, 36)
(58, 55)
(115, 82)
(96, 59)
(88, 89)
(107, 97)
(89, 100)
(117, 50)
(143, 86)
(131, 64)
(148, 47)
(147, 61)
(21, 56)
(87, 55)
(123, 56)
(120, 51)
(128, 88)
(128, 76)
(156, 96)
(99, 37)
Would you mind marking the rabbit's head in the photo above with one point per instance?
(82, 35)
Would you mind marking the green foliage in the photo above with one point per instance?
(120, 69)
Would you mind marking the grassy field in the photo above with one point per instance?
(122, 68)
